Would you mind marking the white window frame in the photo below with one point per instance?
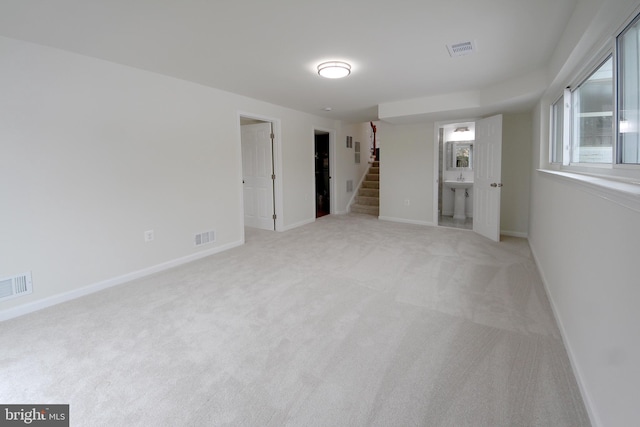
(634, 18)
(602, 59)
(614, 169)
(615, 182)
(553, 125)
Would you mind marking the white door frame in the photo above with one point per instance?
(277, 166)
(332, 168)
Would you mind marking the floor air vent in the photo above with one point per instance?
(460, 49)
(11, 287)
(206, 237)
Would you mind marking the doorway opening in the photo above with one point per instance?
(468, 175)
(322, 174)
(258, 173)
(455, 174)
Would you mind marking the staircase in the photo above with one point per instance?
(367, 201)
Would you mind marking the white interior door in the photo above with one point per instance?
(487, 170)
(257, 172)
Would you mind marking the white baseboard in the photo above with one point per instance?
(514, 233)
(298, 224)
(406, 221)
(450, 213)
(586, 397)
(115, 281)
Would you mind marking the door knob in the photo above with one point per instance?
(494, 184)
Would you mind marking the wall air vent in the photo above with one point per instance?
(349, 186)
(205, 238)
(461, 49)
(15, 286)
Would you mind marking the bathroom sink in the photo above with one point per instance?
(460, 187)
(459, 184)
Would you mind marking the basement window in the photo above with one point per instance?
(592, 117)
(629, 94)
(594, 130)
(595, 122)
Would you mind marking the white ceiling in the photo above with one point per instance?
(268, 49)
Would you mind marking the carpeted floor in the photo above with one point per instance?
(348, 321)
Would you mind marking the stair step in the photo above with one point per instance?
(368, 201)
(369, 192)
(364, 209)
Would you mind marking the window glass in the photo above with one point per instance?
(557, 127)
(629, 94)
(592, 131)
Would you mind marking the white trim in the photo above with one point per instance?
(586, 396)
(436, 168)
(299, 224)
(566, 127)
(105, 284)
(406, 221)
(522, 234)
(623, 192)
(279, 187)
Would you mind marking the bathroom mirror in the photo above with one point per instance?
(459, 155)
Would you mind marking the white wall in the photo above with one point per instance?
(516, 173)
(587, 251)
(95, 153)
(406, 172)
(587, 247)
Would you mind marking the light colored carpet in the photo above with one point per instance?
(348, 321)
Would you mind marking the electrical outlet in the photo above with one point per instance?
(407, 202)
(148, 236)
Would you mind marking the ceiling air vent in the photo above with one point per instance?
(11, 287)
(460, 49)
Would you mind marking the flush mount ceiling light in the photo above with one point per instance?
(334, 69)
(462, 129)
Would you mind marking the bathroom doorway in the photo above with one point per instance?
(455, 175)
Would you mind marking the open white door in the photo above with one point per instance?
(487, 168)
(257, 172)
